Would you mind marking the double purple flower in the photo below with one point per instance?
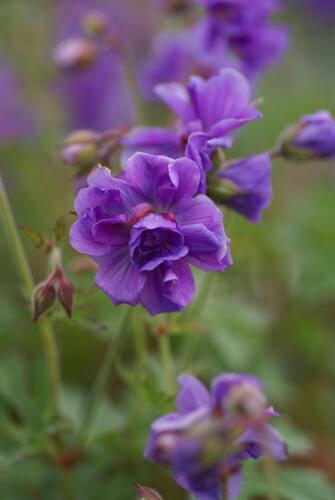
(206, 441)
(145, 229)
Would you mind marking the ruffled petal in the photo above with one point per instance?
(119, 278)
(150, 177)
(185, 175)
(82, 240)
(102, 178)
(168, 288)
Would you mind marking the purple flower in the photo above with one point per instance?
(208, 110)
(206, 441)
(15, 117)
(246, 185)
(144, 229)
(235, 34)
(312, 137)
(178, 54)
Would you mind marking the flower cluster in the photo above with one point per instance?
(146, 227)
(209, 111)
(206, 441)
(235, 34)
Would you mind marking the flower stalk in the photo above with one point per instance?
(44, 325)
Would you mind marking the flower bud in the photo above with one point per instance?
(75, 53)
(65, 294)
(95, 23)
(44, 297)
(81, 149)
(145, 493)
(312, 137)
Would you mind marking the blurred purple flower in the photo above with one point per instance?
(146, 228)
(235, 34)
(96, 96)
(206, 442)
(209, 111)
(15, 118)
(251, 177)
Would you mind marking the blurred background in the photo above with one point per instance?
(272, 314)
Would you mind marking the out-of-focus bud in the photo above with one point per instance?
(80, 149)
(44, 297)
(65, 293)
(312, 138)
(145, 493)
(95, 23)
(246, 401)
(75, 53)
(176, 6)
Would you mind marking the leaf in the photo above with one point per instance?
(37, 239)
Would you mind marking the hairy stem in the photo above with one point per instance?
(167, 362)
(102, 377)
(23, 267)
(270, 472)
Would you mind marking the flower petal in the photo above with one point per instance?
(153, 140)
(224, 383)
(185, 175)
(168, 288)
(192, 394)
(102, 178)
(177, 99)
(119, 278)
(82, 240)
(150, 177)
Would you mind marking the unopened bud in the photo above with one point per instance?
(81, 149)
(95, 23)
(75, 53)
(145, 493)
(44, 297)
(312, 137)
(65, 293)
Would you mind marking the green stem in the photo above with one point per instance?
(196, 311)
(66, 485)
(139, 337)
(102, 377)
(270, 471)
(28, 282)
(168, 365)
(14, 241)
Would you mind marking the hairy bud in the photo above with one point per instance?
(75, 53)
(44, 297)
(145, 493)
(65, 294)
(81, 149)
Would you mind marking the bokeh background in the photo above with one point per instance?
(272, 314)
